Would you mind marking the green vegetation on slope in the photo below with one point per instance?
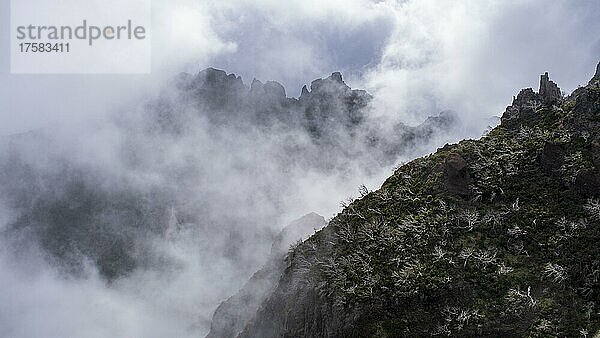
(494, 237)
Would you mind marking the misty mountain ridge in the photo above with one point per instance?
(329, 99)
(183, 163)
(337, 118)
(496, 237)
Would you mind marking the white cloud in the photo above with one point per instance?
(416, 56)
(472, 56)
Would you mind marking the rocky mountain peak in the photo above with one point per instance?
(337, 77)
(215, 79)
(256, 85)
(549, 91)
(304, 92)
(525, 108)
(596, 77)
(525, 95)
(334, 81)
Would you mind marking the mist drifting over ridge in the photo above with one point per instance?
(113, 176)
(196, 185)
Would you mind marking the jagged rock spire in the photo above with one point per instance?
(549, 91)
(524, 105)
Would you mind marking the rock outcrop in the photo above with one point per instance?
(596, 77)
(456, 175)
(524, 108)
(549, 91)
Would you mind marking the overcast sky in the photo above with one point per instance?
(417, 57)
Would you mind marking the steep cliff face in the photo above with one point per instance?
(493, 237)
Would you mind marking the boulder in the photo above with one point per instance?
(456, 175)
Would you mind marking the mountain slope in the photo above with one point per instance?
(493, 237)
(231, 316)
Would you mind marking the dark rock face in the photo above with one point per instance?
(331, 104)
(337, 77)
(275, 90)
(523, 106)
(552, 158)
(549, 91)
(456, 175)
(233, 315)
(223, 90)
(585, 118)
(525, 96)
(530, 108)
